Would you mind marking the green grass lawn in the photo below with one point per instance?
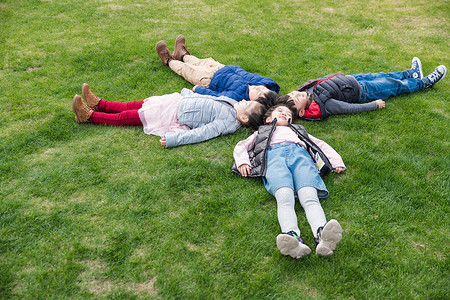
(105, 212)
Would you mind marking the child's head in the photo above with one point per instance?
(282, 112)
(250, 113)
(299, 102)
(256, 91)
(268, 99)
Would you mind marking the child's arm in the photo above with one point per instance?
(337, 107)
(335, 159)
(240, 154)
(200, 134)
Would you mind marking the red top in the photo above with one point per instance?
(313, 111)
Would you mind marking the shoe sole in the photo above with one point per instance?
(75, 99)
(179, 39)
(84, 92)
(289, 245)
(329, 237)
(445, 71)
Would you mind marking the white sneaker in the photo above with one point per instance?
(291, 244)
(329, 236)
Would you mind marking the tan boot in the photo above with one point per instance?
(91, 100)
(81, 111)
(180, 48)
(163, 52)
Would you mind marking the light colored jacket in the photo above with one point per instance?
(207, 117)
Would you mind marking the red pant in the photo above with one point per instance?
(117, 113)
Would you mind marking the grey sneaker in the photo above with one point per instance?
(416, 68)
(327, 237)
(291, 244)
(435, 76)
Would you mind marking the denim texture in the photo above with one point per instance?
(289, 165)
(384, 85)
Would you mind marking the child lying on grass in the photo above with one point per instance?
(178, 118)
(344, 94)
(210, 77)
(282, 154)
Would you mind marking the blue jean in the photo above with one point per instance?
(289, 165)
(383, 85)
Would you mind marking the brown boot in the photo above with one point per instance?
(91, 100)
(163, 52)
(82, 112)
(180, 48)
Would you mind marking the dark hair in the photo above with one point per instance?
(286, 100)
(255, 118)
(269, 99)
(270, 110)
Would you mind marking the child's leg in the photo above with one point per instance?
(285, 210)
(289, 241)
(124, 118)
(314, 213)
(117, 107)
(196, 71)
(371, 76)
(384, 85)
(327, 234)
(205, 62)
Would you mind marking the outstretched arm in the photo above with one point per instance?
(335, 159)
(337, 107)
(199, 134)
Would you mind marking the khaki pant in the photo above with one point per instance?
(196, 71)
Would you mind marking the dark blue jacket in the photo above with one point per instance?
(233, 81)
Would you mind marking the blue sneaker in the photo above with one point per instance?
(435, 76)
(291, 244)
(327, 238)
(416, 69)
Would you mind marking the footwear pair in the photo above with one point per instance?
(178, 53)
(327, 238)
(84, 111)
(430, 80)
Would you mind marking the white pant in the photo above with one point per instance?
(310, 202)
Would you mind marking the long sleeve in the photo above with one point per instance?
(336, 107)
(203, 133)
(334, 157)
(240, 152)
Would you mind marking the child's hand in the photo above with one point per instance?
(244, 169)
(163, 141)
(338, 169)
(380, 103)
